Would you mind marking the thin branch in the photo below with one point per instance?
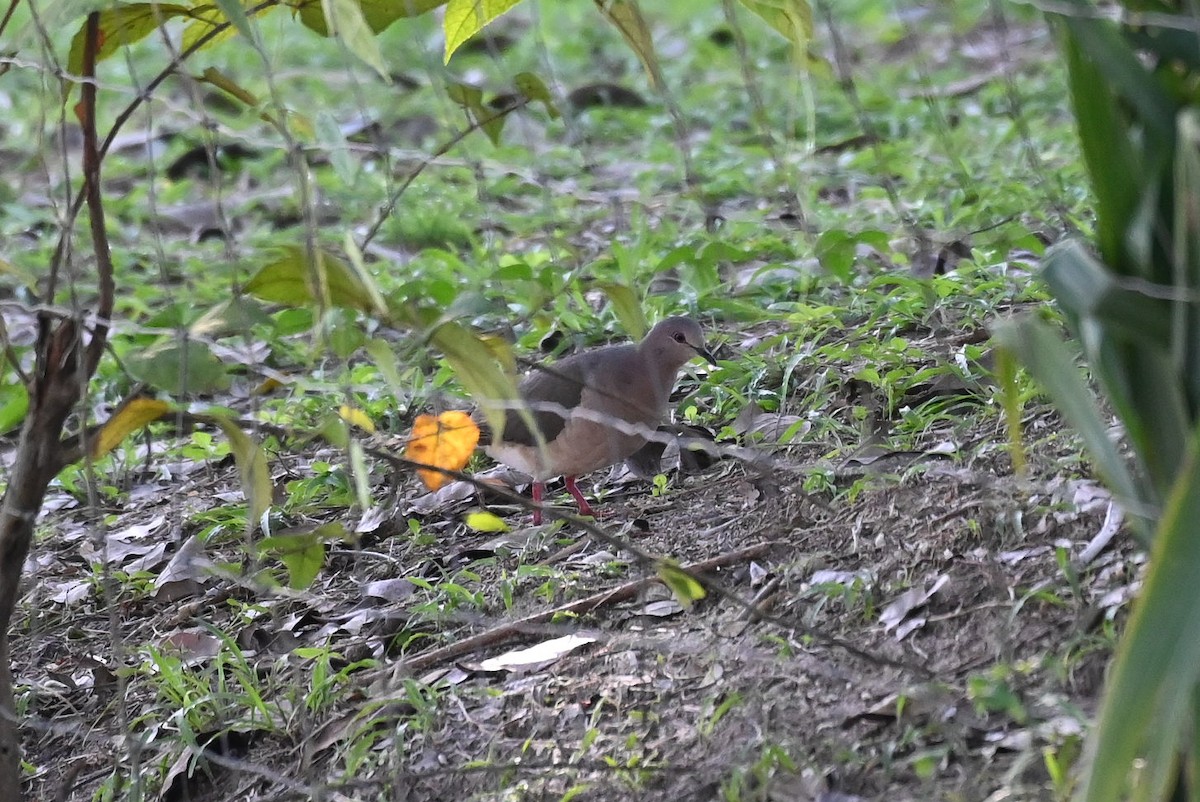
(95, 202)
(123, 117)
(11, 355)
(445, 148)
(749, 80)
(12, 7)
(841, 61)
(169, 70)
(585, 605)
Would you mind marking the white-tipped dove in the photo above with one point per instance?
(593, 409)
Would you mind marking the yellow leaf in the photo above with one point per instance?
(268, 386)
(793, 19)
(627, 17)
(502, 350)
(486, 522)
(465, 18)
(356, 417)
(682, 584)
(129, 418)
(445, 442)
(123, 25)
(252, 465)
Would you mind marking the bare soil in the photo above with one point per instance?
(789, 680)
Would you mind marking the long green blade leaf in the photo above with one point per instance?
(1158, 662)
(1047, 359)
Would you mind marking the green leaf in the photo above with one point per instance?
(1105, 81)
(835, 251)
(465, 18)
(628, 308)
(1127, 338)
(364, 277)
(235, 12)
(122, 25)
(1047, 359)
(1157, 666)
(1087, 289)
(237, 316)
(334, 141)
(217, 78)
(685, 587)
(14, 403)
(478, 370)
(294, 281)
(627, 18)
(384, 357)
(471, 99)
(378, 14)
(303, 554)
(791, 18)
(179, 371)
(334, 430)
(534, 88)
(345, 21)
(1185, 330)
(1120, 68)
(252, 466)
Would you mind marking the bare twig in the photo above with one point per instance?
(441, 151)
(91, 194)
(615, 595)
(749, 80)
(60, 373)
(841, 60)
(12, 7)
(122, 118)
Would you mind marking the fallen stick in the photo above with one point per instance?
(620, 593)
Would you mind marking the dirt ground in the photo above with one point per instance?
(926, 639)
(878, 624)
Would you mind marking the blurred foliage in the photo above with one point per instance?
(1134, 306)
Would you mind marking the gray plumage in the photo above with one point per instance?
(593, 409)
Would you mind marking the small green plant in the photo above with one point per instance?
(820, 480)
(325, 679)
(719, 710)
(757, 779)
(1059, 760)
(450, 596)
(993, 693)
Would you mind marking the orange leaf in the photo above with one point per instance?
(444, 442)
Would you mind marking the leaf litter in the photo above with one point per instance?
(916, 610)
